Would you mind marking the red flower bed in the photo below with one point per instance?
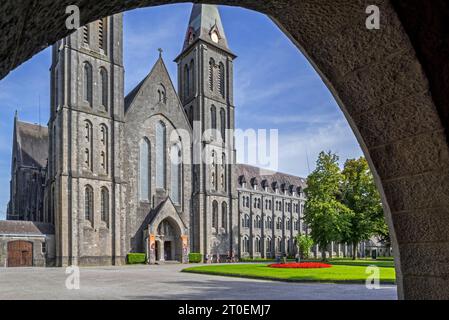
(303, 265)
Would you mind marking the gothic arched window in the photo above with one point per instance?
(212, 171)
(88, 135)
(176, 169)
(245, 244)
(223, 124)
(213, 117)
(269, 244)
(144, 170)
(87, 83)
(211, 74)
(161, 165)
(221, 79)
(257, 222)
(224, 215)
(89, 203)
(104, 88)
(186, 81)
(257, 244)
(105, 147)
(105, 205)
(215, 214)
(224, 173)
(162, 93)
(192, 78)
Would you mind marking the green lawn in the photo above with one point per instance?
(336, 274)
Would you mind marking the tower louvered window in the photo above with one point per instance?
(221, 80)
(211, 74)
(101, 34)
(86, 35)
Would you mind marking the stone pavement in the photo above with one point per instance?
(167, 282)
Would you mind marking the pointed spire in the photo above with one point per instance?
(205, 24)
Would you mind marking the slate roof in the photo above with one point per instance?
(255, 175)
(26, 227)
(32, 140)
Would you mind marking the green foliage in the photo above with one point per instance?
(305, 243)
(343, 206)
(195, 257)
(136, 258)
(327, 217)
(360, 195)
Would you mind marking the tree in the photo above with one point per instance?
(360, 195)
(304, 243)
(327, 217)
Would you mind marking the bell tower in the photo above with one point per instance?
(205, 87)
(85, 132)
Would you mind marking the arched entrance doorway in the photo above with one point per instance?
(20, 254)
(168, 242)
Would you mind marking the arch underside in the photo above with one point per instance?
(388, 82)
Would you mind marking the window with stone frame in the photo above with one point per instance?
(192, 78)
(161, 156)
(211, 74)
(144, 169)
(257, 245)
(89, 204)
(221, 79)
(176, 174)
(105, 205)
(88, 137)
(223, 124)
(224, 216)
(215, 215)
(87, 83)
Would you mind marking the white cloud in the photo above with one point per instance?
(296, 146)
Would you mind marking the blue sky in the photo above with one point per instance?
(275, 86)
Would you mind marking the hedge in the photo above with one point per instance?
(195, 257)
(134, 258)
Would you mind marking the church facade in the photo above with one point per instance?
(153, 171)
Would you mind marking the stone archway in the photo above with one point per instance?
(390, 83)
(168, 241)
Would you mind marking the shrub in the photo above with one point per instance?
(135, 258)
(304, 244)
(195, 257)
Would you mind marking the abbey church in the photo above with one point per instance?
(153, 171)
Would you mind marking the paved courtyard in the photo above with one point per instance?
(167, 282)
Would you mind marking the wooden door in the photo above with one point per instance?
(20, 254)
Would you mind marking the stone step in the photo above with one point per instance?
(168, 262)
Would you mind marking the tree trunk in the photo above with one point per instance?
(354, 251)
(323, 255)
